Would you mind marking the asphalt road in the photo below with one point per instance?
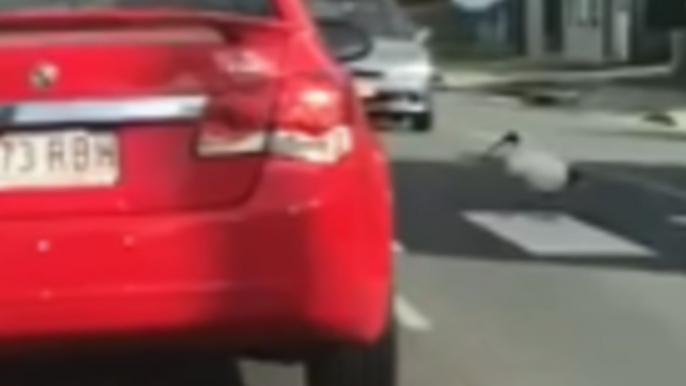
(515, 295)
(500, 288)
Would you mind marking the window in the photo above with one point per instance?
(246, 7)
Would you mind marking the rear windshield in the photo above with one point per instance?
(243, 7)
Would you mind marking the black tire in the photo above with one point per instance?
(357, 366)
(423, 122)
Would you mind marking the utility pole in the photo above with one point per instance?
(679, 53)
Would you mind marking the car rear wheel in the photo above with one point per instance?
(354, 366)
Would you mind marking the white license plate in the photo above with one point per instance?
(74, 158)
(365, 89)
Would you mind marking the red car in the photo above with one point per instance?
(194, 174)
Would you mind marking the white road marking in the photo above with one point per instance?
(410, 317)
(556, 234)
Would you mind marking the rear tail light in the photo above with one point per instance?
(310, 124)
(310, 104)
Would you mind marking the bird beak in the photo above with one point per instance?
(509, 139)
(494, 148)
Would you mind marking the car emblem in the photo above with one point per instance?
(44, 76)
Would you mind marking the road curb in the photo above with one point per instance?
(471, 78)
(533, 94)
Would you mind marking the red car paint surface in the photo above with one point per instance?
(244, 248)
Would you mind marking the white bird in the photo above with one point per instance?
(543, 172)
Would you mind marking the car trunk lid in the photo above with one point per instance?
(100, 113)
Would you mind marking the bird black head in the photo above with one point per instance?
(511, 138)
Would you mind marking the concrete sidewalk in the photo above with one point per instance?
(648, 93)
(455, 77)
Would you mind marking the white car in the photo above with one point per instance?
(396, 78)
(396, 81)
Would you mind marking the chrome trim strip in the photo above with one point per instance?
(140, 109)
(250, 144)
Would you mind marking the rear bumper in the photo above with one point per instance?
(401, 101)
(409, 95)
(400, 105)
(305, 260)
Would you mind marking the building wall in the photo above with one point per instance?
(597, 32)
(585, 36)
(496, 32)
(621, 25)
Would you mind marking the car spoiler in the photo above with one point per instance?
(34, 21)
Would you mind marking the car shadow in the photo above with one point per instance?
(126, 368)
(433, 197)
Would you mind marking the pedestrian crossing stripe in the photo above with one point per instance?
(552, 234)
